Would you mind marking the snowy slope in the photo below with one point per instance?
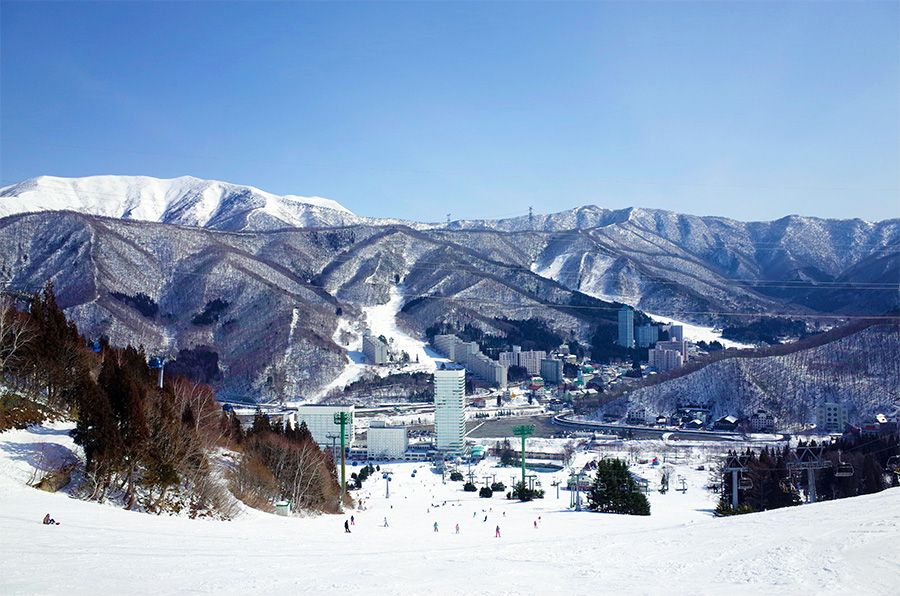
(380, 320)
(697, 333)
(184, 201)
(837, 547)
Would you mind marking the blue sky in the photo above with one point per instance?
(751, 110)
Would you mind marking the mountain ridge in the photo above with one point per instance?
(127, 186)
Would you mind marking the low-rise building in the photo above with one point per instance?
(831, 417)
(762, 422)
(528, 359)
(386, 442)
(376, 350)
(320, 420)
(679, 346)
(664, 360)
(469, 356)
(728, 423)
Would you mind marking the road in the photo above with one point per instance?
(646, 432)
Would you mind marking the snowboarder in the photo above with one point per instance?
(49, 521)
(497, 532)
(435, 527)
(346, 526)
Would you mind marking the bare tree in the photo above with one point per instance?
(14, 334)
(200, 400)
(568, 453)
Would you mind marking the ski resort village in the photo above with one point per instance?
(534, 464)
(449, 298)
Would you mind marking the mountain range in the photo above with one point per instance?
(265, 283)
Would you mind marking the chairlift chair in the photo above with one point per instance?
(893, 464)
(843, 470)
(745, 483)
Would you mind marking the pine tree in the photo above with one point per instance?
(261, 423)
(615, 491)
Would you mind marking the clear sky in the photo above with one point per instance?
(751, 110)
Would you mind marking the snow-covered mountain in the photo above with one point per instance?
(184, 201)
(267, 305)
(304, 267)
(684, 266)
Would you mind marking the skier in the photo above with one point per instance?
(385, 522)
(346, 526)
(352, 521)
(485, 518)
(497, 532)
(535, 524)
(435, 527)
(457, 528)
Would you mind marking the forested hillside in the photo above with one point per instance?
(861, 370)
(168, 449)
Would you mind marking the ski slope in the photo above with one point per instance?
(838, 547)
(697, 333)
(380, 320)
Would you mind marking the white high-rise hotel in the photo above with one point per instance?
(449, 407)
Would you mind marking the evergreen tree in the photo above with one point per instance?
(615, 491)
(260, 424)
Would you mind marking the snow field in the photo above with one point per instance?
(841, 546)
(380, 320)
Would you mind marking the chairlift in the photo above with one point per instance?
(745, 483)
(893, 464)
(843, 469)
(155, 362)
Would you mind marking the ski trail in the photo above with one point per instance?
(290, 380)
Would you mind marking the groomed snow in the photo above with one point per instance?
(380, 320)
(697, 333)
(838, 547)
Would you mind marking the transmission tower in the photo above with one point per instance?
(531, 219)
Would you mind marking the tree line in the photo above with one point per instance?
(769, 482)
(150, 447)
